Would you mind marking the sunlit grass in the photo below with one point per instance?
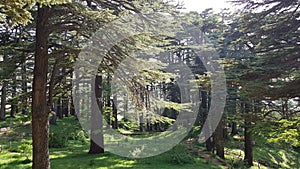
(75, 154)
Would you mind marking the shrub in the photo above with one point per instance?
(57, 140)
(180, 155)
(79, 135)
(25, 149)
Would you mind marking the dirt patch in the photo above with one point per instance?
(212, 159)
(6, 129)
(202, 154)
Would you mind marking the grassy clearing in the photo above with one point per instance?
(71, 151)
(265, 155)
(70, 146)
(11, 122)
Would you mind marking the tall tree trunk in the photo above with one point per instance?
(141, 124)
(247, 134)
(64, 98)
(97, 141)
(3, 100)
(24, 85)
(234, 130)
(204, 107)
(40, 110)
(59, 108)
(219, 139)
(65, 105)
(248, 144)
(72, 107)
(232, 107)
(14, 106)
(115, 112)
(108, 102)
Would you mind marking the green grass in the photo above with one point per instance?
(277, 157)
(75, 153)
(9, 122)
(268, 155)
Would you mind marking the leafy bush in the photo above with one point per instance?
(57, 140)
(25, 149)
(79, 135)
(237, 163)
(180, 155)
(194, 133)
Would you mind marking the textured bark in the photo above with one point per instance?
(247, 134)
(65, 106)
(248, 146)
(108, 103)
(3, 100)
(40, 110)
(115, 112)
(24, 85)
(59, 108)
(219, 140)
(14, 107)
(234, 130)
(141, 124)
(65, 99)
(204, 107)
(97, 141)
(72, 108)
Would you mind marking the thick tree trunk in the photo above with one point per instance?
(219, 140)
(40, 110)
(248, 144)
(247, 134)
(3, 100)
(97, 140)
(248, 147)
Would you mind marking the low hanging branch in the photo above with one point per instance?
(63, 52)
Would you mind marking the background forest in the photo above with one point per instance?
(42, 107)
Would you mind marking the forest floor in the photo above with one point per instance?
(190, 144)
(69, 147)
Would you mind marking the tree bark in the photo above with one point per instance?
(247, 134)
(248, 145)
(59, 108)
(14, 106)
(108, 102)
(3, 100)
(65, 105)
(97, 140)
(72, 107)
(24, 85)
(64, 98)
(204, 107)
(234, 130)
(219, 140)
(40, 110)
(115, 112)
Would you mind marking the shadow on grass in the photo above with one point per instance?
(278, 157)
(111, 161)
